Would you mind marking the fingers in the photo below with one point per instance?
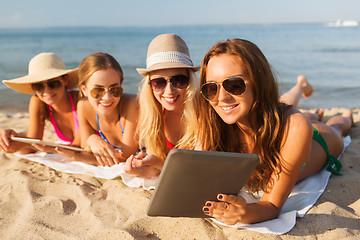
(5, 138)
(235, 200)
(229, 209)
(105, 156)
(128, 164)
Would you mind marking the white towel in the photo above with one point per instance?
(303, 196)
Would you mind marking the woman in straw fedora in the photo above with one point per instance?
(167, 99)
(50, 81)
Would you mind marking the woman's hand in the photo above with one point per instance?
(6, 142)
(229, 210)
(142, 165)
(150, 160)
(105, 154)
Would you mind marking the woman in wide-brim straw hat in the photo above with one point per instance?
(50, 82)
(167, 99)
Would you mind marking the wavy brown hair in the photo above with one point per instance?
(267, 115)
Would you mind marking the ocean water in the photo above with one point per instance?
(328, 56)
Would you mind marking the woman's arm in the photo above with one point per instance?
(295, 151)
(35, 129)
(103, 152)
(129, 141)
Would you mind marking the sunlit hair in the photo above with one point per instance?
(266, 115)
(95, 62)
(150, 128)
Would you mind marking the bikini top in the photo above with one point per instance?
(103, 136)
(61, 136)
(169, 144)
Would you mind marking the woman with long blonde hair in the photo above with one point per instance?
(167, 104)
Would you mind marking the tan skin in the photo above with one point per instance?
(62, 112)
(108, 108)
(172, 100)
(297, 147)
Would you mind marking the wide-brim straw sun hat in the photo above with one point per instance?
(42, 67)
(167, 51)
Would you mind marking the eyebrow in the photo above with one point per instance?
(234, 76)
(115, 84)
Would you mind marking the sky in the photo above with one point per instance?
(64, 13)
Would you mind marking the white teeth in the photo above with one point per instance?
(170, 99)
(106, 104)
(228, 107)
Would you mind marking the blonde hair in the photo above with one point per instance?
(150, 128)
(95, 62)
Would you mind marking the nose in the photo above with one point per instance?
(47, 88)
(107, 95)
(223, 94)
(169, 87)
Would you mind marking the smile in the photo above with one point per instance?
(106, 104)
(228, 108)
(170, 100)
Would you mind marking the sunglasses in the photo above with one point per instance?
(52, 84)
(115, 91)
(177, 81)
(234, 85)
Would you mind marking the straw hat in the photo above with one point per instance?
(42, 67)
(167, 51)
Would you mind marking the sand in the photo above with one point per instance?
(37, 202)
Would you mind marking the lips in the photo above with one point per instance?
(228, 108)
(106, 104)
(170, 100)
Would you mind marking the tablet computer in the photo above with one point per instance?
(190, 178)
(51, 144)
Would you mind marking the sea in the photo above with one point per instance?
(328, 55)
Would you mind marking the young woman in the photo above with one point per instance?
(107, 116)
(49, 80)
(167, 104)
(240, 111)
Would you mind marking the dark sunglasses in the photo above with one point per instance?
(179, 81)
(234, 85)
(97, 92)
(52, 84)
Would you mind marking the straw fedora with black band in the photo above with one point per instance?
(167, 51)
(42, 67)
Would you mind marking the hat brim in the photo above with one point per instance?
(23, 84)
(167, 65)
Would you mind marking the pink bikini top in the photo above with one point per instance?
(57, 130)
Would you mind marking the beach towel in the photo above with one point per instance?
(303, 196)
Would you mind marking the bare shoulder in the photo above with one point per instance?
(84, 108)
(35, 104)
(297, 125)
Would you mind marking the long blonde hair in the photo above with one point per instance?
(267, 116)
(150, 128)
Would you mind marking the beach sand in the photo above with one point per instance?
(37, 202)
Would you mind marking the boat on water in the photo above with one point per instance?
(344, 23)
